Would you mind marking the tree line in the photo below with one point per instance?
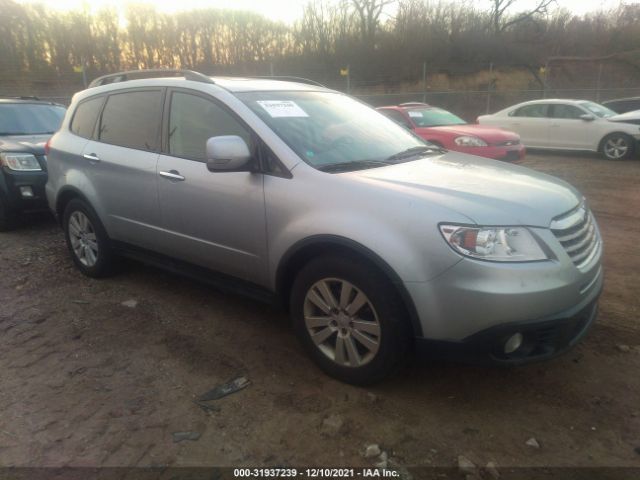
(374, 37)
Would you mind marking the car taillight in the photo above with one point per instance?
(46, 147)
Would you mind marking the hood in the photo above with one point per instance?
(486, 191)
(24, 143)
(633, 117)
(492, 135)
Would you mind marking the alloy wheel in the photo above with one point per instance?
(342, 322)
(616, 147)
(83, 239)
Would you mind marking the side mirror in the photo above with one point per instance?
(587, 117)
(227, 153)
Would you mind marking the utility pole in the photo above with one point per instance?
(545, 82)
(84, 74)
(489, 87)
(598, 83)
(348, 79)
(424, 82)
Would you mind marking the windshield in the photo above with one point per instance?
(327, 129)
(598, 110)
(30, 118)
(434, 117)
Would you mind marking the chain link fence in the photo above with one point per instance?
(485, 90)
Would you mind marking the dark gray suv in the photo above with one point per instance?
(26, 123)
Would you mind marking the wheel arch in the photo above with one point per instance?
(65, 195)
(304, 250)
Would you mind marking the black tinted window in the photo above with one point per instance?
(623, 106)
(132, 119)
(84, 120)
(567, 111)
(536, 110)
(193, 120)
(29, 118)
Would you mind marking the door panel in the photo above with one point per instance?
(126, 184)
(122, 165)
(216, 220)
(568, 130)
(532, 124)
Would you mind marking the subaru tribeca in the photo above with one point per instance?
(376, 241)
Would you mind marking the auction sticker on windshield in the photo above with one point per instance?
(282, 108)
(415, 114)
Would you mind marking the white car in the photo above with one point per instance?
(568, 125)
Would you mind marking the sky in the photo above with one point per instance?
(290, 10)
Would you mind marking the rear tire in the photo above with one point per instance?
(87, 240)
(617, 146)
(350, 319)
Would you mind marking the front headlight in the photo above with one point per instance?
(497, 244)
(24, 162)
(470, 142)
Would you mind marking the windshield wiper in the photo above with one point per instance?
(414, 151)
(355, 165)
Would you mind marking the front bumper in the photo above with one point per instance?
(10, 183)
(542, 339)
(475, 306)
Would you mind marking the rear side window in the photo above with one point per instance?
(85, 117)
(538, 110)
(132, 119)
(193, 120)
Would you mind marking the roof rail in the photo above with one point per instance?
(20, 97)
(288, 78)
(150, 73)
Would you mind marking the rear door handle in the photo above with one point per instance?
(172, 175)
(92, 157)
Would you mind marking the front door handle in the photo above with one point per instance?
(172, 175)
(92, 157)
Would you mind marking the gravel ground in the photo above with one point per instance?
(88, 381)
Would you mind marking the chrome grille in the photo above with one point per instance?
(578, 234)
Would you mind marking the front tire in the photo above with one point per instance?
(617, 146)
(87, 240)
(350, 320)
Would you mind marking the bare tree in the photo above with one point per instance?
(501, 20)
(369, 12)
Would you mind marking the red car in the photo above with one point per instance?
(445, 129)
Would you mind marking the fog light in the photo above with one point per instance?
(26, 192)
(513, 343)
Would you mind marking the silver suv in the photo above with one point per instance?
(375, 241)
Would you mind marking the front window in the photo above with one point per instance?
(30, 118)
(598, 110)
(330, 129)
(434, 117)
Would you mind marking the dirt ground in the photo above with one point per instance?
(87, 381)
